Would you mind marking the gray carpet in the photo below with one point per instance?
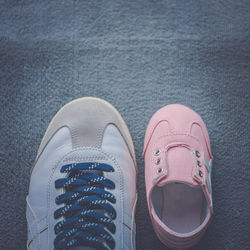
(139, 56)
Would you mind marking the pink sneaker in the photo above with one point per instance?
(178, 165)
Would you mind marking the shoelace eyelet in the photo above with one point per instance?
(159, 170)
(199, 164)
(158, 161)
(200, 173)
(197, 153)
(157, 152)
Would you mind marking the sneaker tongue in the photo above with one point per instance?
(180, 166)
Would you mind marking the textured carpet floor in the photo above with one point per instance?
(139, 56)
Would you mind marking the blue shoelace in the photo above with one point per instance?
(87, 212)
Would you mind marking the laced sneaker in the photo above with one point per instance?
(82, 192)
(178, 165)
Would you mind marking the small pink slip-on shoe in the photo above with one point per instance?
(178, 164)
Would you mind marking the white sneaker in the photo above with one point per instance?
(82, 192)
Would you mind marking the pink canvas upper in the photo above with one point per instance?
(177, 149)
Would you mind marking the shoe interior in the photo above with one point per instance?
(181, 207)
